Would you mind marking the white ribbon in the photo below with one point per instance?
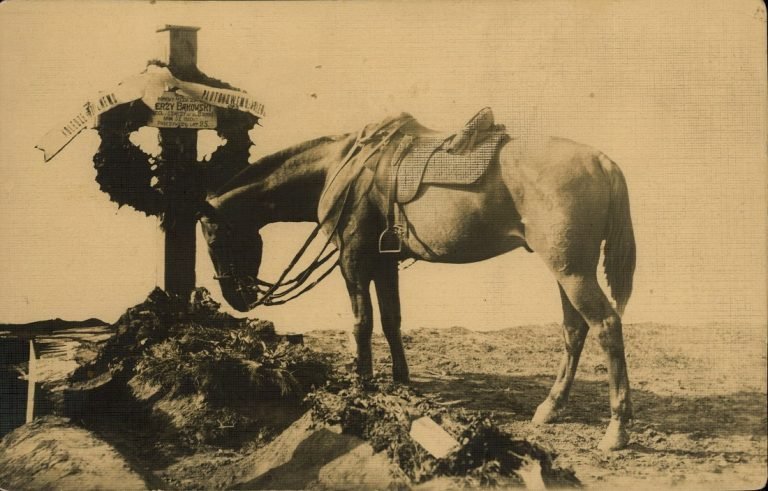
(147, 86)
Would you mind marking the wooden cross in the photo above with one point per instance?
(179, 148)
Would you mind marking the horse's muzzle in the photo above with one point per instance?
(239, 295)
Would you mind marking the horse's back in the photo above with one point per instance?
(552, 169)
(548, 193)
(549, 159)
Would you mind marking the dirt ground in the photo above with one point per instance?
(50, 453)
(699, 396)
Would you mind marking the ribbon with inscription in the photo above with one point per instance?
(149, 86)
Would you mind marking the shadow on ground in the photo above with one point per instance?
(515, 398)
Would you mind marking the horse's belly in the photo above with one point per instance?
(459, 225)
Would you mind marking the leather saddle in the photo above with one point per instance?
(421, 156)
(424, 156)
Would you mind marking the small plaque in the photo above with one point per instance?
(176, 111)
(432, 437)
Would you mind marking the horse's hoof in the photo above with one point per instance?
(401, 378)
(546, 413)
(364, 370)
(365, 376)
(616, 437)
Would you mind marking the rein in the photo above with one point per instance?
(282, 290)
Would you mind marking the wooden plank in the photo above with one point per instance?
(182, 44)
(179, 148)
(31, 381)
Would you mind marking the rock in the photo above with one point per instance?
(51, 453)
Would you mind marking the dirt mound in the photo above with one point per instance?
(195, 375)
(306, 456)
(49, 453)
(383, 415)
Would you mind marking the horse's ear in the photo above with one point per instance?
(206, 211)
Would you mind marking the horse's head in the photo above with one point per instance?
(235, 249)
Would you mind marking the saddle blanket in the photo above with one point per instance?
(429, 162)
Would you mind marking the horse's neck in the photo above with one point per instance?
(285, 187)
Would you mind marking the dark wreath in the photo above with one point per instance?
(125, 172)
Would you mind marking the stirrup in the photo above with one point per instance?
(391, 241)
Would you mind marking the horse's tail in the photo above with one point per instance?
(620, 251)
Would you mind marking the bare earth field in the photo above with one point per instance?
(699, 396)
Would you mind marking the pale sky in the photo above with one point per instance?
(674, 92)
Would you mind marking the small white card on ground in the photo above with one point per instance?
(432, 437)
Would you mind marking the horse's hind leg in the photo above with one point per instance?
(589, 300)
(575, 331)
(387, 291)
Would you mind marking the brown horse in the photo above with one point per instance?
(556, 197)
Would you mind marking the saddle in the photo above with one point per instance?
(425, 157)
(410, 156)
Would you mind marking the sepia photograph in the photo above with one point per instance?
(378, 245)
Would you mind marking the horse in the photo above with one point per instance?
(555, 197)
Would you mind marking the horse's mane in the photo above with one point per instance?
(268, 164)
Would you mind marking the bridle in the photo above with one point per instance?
(280, 291)
(284, 290)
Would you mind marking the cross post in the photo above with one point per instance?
(179, 149)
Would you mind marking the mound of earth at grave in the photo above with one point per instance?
(51, 453)
(191, 398)
(358, 435)
(385, 416)
(188, 374)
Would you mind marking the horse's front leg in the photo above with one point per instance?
(358, 286)
(388, 294)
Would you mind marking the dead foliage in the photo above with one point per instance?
(382, 413)
(214, 378)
